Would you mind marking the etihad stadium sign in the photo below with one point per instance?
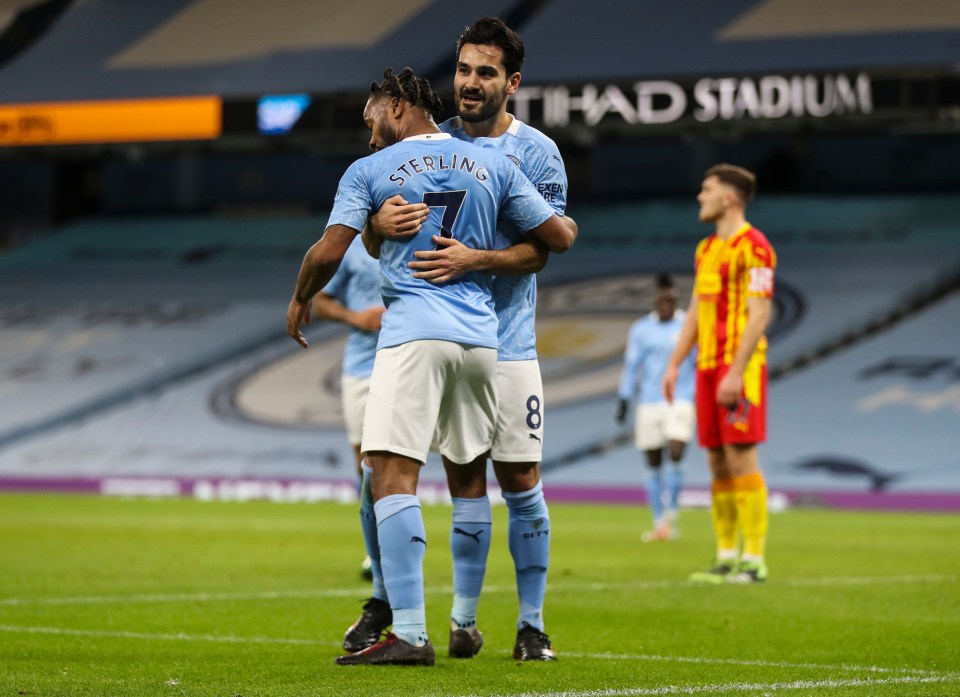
(653, 102)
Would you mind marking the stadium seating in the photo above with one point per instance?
(188, 372)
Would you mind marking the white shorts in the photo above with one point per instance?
(519, 435)
(658, 423)
(428, 386)
(353, 396)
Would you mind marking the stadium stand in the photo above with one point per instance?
(106, 309)
(186, 373)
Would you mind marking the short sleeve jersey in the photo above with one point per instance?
(466, 187)
(357, 286)
(649, 347)
(515, 297)
(727, 273)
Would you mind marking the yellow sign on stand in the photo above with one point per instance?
(111, 121)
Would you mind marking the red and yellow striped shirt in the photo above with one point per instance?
(727, 273)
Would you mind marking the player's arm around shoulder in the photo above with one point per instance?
(546, 171)
(453, 259)
(556, 234)
(398, 219)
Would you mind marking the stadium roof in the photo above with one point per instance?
(102, 49)
(655, 38)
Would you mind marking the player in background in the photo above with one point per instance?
(658, 425)
(353, 298)
(435, 368)
(489, 58)
(729, 312)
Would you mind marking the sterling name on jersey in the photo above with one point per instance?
(515, 297)
(357, 286)
(466, 188)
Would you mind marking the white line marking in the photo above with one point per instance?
(227, 639)
(230, 639)
(186, 597)
(742, 662)
(360, 592)
(739, 687)
(868, 580)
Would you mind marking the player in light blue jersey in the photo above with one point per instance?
(435, 367)
(353, 298)
(658, 425)
(489, 58)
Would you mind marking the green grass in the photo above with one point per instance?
(178, 597)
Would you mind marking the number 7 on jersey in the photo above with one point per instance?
(451, 202)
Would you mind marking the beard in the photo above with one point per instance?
(388, 137)
(483, 111)
(708, 215)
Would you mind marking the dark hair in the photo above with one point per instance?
(664, 281)
(411, 89)
(493, 31)
(743, 181)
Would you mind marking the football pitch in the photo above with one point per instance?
(102, 596)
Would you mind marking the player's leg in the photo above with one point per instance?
(673, 474)
(529, 540)
(724, 506)
(376, 616)
(464, 436)
(744, 428)
(403, 543)
(723, 511)
(649, 438)
(353, 398)
(654, 485)
(367, 572)
(403, 404)
(750, 495)
(470, 531)
(517, 451)
(678, 431)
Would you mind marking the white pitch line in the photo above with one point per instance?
(747, 663)
(230, 639)
(225, 639)
(553, 588)
(185, 597)
(739, 687)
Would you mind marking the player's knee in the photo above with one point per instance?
(517, 477)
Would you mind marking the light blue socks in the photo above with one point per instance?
(469, 544)
(529, 534)
(674, 485)
(403, 544)
(655, 494)
(368, 524)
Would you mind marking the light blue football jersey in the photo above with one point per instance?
(357, 286)
(649, 347)
(515, 297)
(466, 188)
